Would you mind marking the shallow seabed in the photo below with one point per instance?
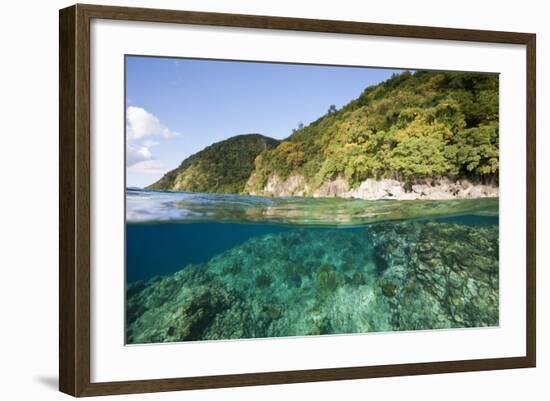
(241, 280)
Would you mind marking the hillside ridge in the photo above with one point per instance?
(421, 135)
(223, 166)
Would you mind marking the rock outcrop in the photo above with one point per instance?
(371, 189)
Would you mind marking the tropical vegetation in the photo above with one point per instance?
(411, 126)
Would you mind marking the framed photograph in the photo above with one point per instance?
(250, 200)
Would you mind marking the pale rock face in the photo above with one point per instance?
(429, 189)
(293, 186)
(337, 187)
(378, 189)
(371, 189)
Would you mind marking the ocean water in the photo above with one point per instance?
(214, 266)
(161, 249)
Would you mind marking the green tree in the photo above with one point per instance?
(419, 157)
(477, 150)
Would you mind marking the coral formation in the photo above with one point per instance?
(385, 277)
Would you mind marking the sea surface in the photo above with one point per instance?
(217, 266)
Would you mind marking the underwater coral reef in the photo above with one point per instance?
(412, 275)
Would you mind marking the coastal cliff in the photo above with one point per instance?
(422, 135)
(372, 189)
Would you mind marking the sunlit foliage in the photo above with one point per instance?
(414, 125)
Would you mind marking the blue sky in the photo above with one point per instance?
(176, 107)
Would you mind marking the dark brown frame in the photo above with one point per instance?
(74, 199)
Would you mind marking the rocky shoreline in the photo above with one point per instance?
(371, 189)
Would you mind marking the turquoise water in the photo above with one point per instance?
(160, 249)
(211, 266)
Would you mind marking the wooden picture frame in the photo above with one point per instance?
(75, 207)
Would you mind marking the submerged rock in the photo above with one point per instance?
(448, 279)
(387, 277)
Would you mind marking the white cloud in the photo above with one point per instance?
(148, 167)
(150, 143)
(141, 124)
(140, 127)
(136, 154)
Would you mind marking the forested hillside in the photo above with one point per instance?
(414, 125)
(221, 167)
